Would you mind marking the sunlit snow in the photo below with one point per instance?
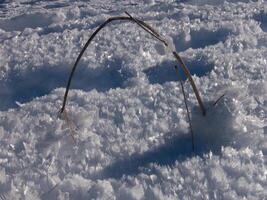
(129, 137)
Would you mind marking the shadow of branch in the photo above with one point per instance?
(212, 132)
(175, 148)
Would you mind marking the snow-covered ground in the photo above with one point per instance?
(132, 138)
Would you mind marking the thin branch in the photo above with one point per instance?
(187, 73)
(187, 110)
(148, 29)
(82, 52)
(214, 104)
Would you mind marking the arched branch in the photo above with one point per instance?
(148, 29)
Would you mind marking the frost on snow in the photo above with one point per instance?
(132, 138)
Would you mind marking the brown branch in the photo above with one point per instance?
(148, 29)
(187, 73)
(82, 52)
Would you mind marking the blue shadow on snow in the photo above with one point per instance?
(164, 72)
(262, 18)
(201, 39)
(23, 87)
(212, 132)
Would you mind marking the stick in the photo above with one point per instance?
(148, 29)
(214, 104)
(187, 73)
(187, 110)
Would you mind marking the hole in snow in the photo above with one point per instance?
(165, 72)
(262, 18)
(19, 23)
(175, 148)
(23, 87)
(200, 39)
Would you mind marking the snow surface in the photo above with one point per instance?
(132, 134)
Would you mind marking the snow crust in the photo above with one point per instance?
(130, 128)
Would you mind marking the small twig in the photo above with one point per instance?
(187, 110)
(214, 104)
(187, 73)
(148, 29)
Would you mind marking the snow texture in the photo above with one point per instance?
(130, 137)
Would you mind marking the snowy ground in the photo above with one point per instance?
(133, 139)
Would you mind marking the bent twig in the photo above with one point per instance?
(148, 29)
(187, 110)
(214, 104)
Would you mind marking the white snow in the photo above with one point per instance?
(129, 134)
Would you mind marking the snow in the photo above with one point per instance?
(128, 136)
